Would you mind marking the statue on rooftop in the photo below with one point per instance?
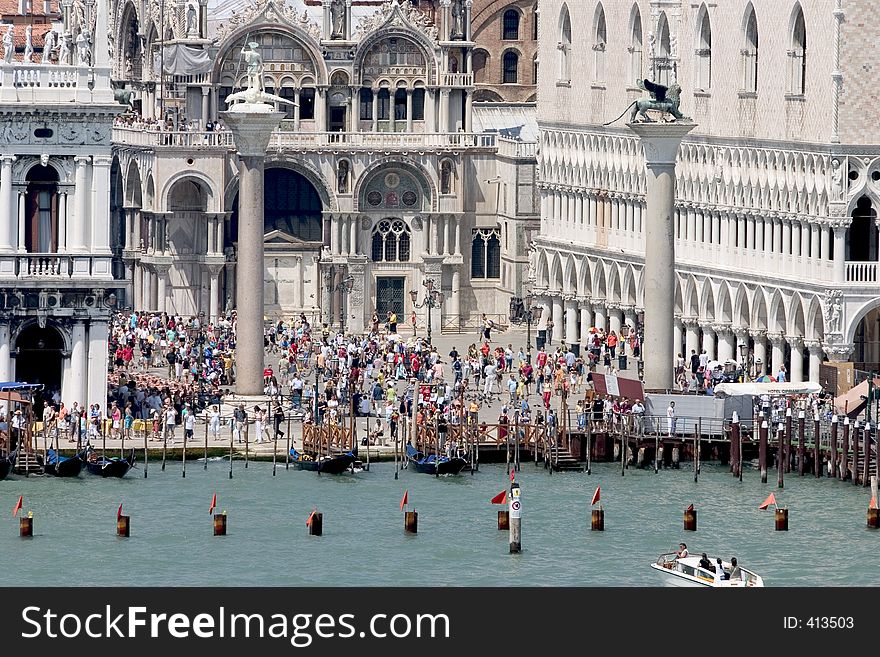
(8, 45)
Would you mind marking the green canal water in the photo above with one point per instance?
(457, 544)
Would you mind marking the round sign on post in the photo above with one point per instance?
(515, 511)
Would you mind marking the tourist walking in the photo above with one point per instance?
(670, 419)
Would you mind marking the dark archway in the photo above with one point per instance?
(861, 236)
(41, 210)
(38, 357)
(292, 206)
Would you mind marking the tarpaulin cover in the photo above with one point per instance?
(183, 60)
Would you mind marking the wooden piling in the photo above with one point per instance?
(735, 447)
(123, 526)
(690, 519)
(844, 456)
(206, 445)
(287, 453)
(503, 520)
(275, 450)
(802, 441)
(817, 451)
(26, 526)
(832, 466)
(164, 443)
(780, 456)
(247, 426)
(146, 448)
(762, 450)
(597, 520)
(781, 520)
(411, 522)
(231, 446)
(219, 524)
(866, 463)
(697, 451)
(316, 526)
(787, 449)
(589, 453)
(183, 460)
(856, 438)
(873, 518)
(656, 450)
(515, 509)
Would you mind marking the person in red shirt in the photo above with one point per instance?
(267, 375)
(542, 358)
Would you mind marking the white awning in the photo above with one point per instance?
(742, 389)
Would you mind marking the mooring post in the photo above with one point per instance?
(690, 519)
(817, 451)
(220, 524)
(206, 445)
(844, 456)
(231, 446)
(873, 510)
(26, 526)
(866, 463)
(247, 426)
(801, 450)
(590, 449)
(780, 456)
(146, 451)
(781, 520)
(164, 442)
(832, 465)
(697, 451)
(762, 450)
(515, 512)
(287, 455)
(656, 450)
(316, 524)
(183, 459)
(856, 437)
(735, 445)
(411, 522)
(787, 448)
(123, 526)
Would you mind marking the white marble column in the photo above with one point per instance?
(661, 142)
(677, 337)
(571, 322)
(815, 349)
(22, 244)
(62, 222)
(796, 343)
(692, 336)
(615, 319)
(586, 320)
(558, 318)
(8, 243)
(5, 359)
(78, 367)
(839, 254)
(353, 236)
(100, 244)
(161, 287)
(97, 358)
(455, 296)
(214, 286)
(78, 235)
(708, 341)
(726, 344)
(601, 321)
(759, 340)
(777, 342)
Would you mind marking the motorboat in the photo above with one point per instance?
(687, 571)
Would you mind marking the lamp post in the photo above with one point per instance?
(433, 299)
(743, 359)
(525, 310)
(344, 286)
(640, 330)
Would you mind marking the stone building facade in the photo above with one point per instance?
(776, 223)
(56, 279)
(375, 174)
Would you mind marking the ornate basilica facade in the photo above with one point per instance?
(778, 187)
(376, 174)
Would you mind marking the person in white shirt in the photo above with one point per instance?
(214, 422)
(170, 417)
(489, 385)
(670, 419)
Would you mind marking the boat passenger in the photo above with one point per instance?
(705, 563)
(720, 573)
(682, 551)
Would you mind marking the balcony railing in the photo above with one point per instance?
(457, 79)
(40, 266)
(43, 265)
(513, 148)
(381, 140)
(171, 139)
(861, 272)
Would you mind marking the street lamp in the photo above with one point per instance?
(433, 299)
(345, 286)
(524, 310)
(743, 359)
(640, 336)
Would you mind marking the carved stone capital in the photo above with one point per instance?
(838, 353)
(776, 339)
(795, 341)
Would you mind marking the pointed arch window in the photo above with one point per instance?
(391, 241)
(704, 52)
(600, 44)
(564, 46)
(798, 54)
(662, 60)
(635, 46)
(750, 52)
(486, 253)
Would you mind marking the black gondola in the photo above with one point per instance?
(431, 465)
(323, 464)
(103, 466)
(7, 463)
(62, 466)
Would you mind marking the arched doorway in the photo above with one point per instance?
(861, 236)
(41, 210)
(866, 354)
(292, 206)
(38, 358)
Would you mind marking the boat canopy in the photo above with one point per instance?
(756, 389)
(18, 386)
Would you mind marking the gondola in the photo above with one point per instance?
(445, 465)
(323, 464)
(62, 466)
(6, 464)
(103, 466)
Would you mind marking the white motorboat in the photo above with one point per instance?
(687, 571)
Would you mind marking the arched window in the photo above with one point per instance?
(750, 51)
(400, 105)
(447, 177)
(662, 62)
(510, 23)
(511, 66)
(798, 53)
(564, 46)
(307, 104)
(486, 253)
(41, 210)
(600, 43)
(535, 69)
(391, 241)
(862, 234)
(704, 51)
(635, 45)
(366, 104)
(418, 104)
(384, 104)
(535, 16)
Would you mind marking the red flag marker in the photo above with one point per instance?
(309, 519)
(596, 496)
(500, 498)
(405, 500)
(119, 512)
(512, 475)
(771, 499)
(873, 503)
(213, 504)
(17, 507)
(690, 507)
